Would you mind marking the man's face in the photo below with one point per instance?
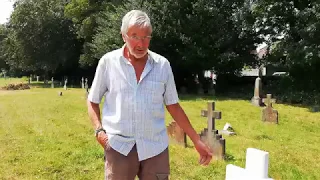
(137, 40)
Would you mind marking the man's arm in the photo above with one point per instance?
(94, 114)
(97, 91)
(171, 101)
(181, 118)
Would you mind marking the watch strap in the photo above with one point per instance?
(97, 131)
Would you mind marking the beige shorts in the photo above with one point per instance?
(120, 167)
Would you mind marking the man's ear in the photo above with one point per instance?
(124, 40)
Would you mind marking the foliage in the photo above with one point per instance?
(293, 28)
(40, 38)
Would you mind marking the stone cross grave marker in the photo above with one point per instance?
(82, 83)
(177, 134)
(210, 135)
(256, 99)
(52, 82)
(86, 86)
(65, 84)
(268, 113)
(256, 168)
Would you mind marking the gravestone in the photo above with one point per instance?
(200, 90)
(65, 84)
(256, 168)
(268, 113)
(86, 86)
(183, 90)
(211, 90)
(177, 134)
(4, 72)
(29, 80)
(315, 108)
(37, 78)
(210, 135)
(52, 82)
(257, 96)
(82, 83)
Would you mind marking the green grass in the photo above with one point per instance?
(4, 82)
(45, 136)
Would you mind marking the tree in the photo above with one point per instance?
(40, 38)
(194, 35)
(293, 30)
(86, 14)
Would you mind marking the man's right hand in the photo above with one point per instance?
(102, 138)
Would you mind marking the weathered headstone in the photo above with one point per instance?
(37, 78)
(211, 90)
(256, 168)
(82, 83)
(52, 82)
(29, 80)
(86, 84)
(210, 135)
(183, 90)
(200, 90)
(257, 97)
(4, 72)
(65, 84)
(60, 93)
(268, 113)
(315, 108)
(176, 133)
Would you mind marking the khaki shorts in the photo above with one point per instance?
(120, 167)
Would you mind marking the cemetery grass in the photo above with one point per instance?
(45, 136)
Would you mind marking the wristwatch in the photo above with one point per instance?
(97, 131)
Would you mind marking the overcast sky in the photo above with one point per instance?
(5, 10)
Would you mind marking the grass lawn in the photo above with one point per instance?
(45, 136)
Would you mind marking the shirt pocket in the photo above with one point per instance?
(156, 90)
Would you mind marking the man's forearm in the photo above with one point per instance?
(94, 114)
(181, 118)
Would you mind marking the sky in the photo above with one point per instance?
(5, 10)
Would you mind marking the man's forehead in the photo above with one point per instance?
(139, 29)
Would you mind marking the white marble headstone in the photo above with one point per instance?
(257, 163)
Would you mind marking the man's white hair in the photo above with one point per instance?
(137, 18)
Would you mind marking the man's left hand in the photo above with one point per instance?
(204, 152)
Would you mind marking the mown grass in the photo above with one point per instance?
(46, 136)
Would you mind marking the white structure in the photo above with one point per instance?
(257, 162)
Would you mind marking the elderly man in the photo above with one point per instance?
(137, 83)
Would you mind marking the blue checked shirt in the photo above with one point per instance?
(133, 113)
